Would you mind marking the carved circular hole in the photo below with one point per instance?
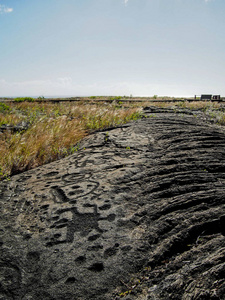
(70, 280)
(96, 267)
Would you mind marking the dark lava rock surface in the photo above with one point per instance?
(138, 211)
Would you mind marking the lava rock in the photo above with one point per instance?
(140, 215)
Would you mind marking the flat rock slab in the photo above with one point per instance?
(143, 201)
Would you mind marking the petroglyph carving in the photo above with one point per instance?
(148, 202)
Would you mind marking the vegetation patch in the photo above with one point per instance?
(24, 99)
(54, 131)
(4, 107)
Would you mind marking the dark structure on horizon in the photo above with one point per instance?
(216, 97)
(208, 97)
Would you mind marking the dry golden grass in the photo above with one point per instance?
(10, 119)
(54, 132)
(199, 104)
(183, 104)
(221, 120)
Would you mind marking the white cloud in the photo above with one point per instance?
(5, 10)
(126, 2)
(65, 82)
(58, 86)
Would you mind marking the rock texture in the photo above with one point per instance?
(138, 212)
(22, 126)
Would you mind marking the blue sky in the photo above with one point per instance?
(112, 47)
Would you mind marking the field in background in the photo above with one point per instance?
(36, 133)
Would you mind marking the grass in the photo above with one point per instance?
(54, 131)
(203, 105)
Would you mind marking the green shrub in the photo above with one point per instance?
(23, 99)
(29, 99)
(41, 98)
(19, 100)
(4, 107)
(115, 98)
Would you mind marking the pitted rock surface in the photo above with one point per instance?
(145, 201)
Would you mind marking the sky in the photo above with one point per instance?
(112, 47)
